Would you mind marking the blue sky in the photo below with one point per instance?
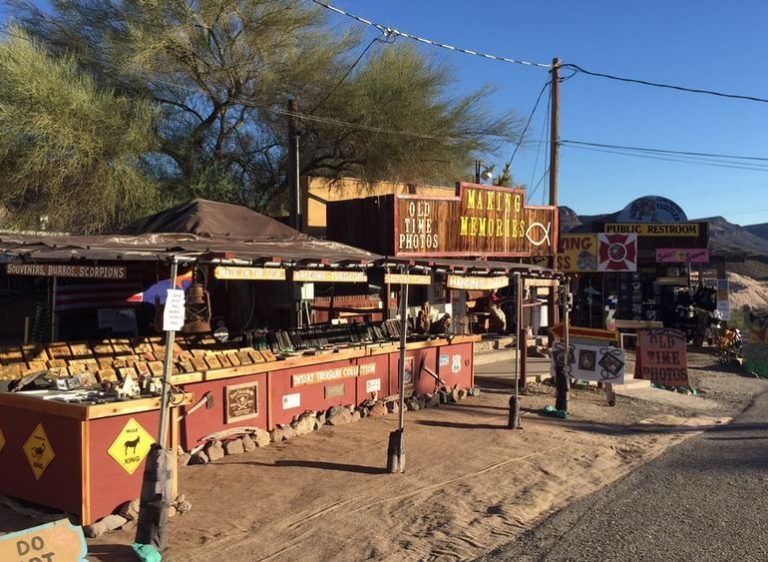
(704, 44)
(698, 43)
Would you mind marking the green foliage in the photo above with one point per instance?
(222, 71)
(68, 150)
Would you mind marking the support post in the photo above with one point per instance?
(514, 401)
(157, 486)
(294, 165)
(396, 449)
(54, 290)
(561, 374)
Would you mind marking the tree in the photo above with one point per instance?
(68, 150)
(222, 71)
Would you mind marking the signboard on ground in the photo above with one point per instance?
(57, 541)
(173, 313)
(661, 357)
(591, 362)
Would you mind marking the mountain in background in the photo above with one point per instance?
(760, 230)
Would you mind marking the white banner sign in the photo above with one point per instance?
(587, 362)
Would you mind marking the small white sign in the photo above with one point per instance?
(373, 385)
(291, 401)
(173, 314)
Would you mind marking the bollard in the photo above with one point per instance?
(396, 452)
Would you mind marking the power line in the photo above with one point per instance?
(348, 72)
(527, 123)
(663, 85)
(666, 151)
(392, 31)
(702, 162)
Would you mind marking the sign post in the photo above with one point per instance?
(561, 371)
(396, 449)
(514, 401)
(158, 472)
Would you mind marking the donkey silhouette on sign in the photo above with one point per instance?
(131, 445)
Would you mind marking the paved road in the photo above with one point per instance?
(706, 499)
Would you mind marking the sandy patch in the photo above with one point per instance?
(471, 484)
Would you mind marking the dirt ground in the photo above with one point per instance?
(470, 485)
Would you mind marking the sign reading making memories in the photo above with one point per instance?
(482, 220)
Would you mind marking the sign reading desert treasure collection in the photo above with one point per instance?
(482, 220)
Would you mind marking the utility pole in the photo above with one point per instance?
(554, 168)
(554, 134)
(294, 165)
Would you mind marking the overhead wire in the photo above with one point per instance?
(666, 151)
(528, 123)
(393, 31)
(677, 87)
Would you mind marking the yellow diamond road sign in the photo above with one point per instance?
(2, 440)
(131, 446)
(38, 451)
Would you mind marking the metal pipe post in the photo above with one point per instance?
(514, 401)
(170, 337)
(396, 449)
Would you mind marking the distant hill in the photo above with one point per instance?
(760, 230)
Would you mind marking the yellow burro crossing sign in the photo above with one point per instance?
(131, 446)
(38, 450)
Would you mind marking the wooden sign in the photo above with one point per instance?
(481, 220)
(407, 279)
(476, 283)
(325, 375)
(586, 333)
(661, 357)
(74, 271)
(249, 273)
(57, 541)
(242, 401)
(329, 276)
(689, 229)
(682, 255)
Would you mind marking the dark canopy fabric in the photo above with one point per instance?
(210, 219)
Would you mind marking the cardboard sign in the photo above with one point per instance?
(173, 313)
(39, 451)
(591, 362)
(661, 357)
(131, 446)
(242, 401)
(57, 541)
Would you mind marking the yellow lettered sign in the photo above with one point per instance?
(131, 446)
(2, 440)
(53, 541)
(38, 451)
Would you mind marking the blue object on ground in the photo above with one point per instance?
(147, 553)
